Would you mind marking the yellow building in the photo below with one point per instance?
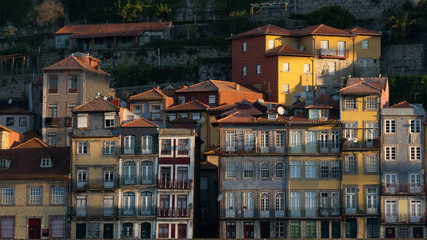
(284, 63)
(34, 193)
(361, 103)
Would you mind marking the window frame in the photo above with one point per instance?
(350, 103)
(415, 153)
(365, 44)
(82, 148)
(230, 170)
(35, 199)
(390, 153)
(415, 126)
(264, 171)
(390, 126)
(52, 84)
(247, 172)
(73, 83)
(244, 71)
(244, 46)
(7, 196)
(56, 199)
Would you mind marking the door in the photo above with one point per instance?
(34, 228)
(145, 230)
(182, 177)
(341, 49)
(165, 173)
(265, 229)
(182, 231)
(351, 228)
(324, 230)
(390, 232)
(80, 231)
(336, 229)
(373, 228)
(164, 206)
(311, 141)
(249, 229)
(418, 232)
(108, 231)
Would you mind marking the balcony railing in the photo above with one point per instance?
(175, 212)
(353, 144)
(128, 211)
(307, 213)
(139, 150)
(248, 149)
(52, 121)
(173, 184)
(334, 53)
(401, 188)
(316, 147)
(404, 218)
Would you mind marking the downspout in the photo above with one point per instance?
(314, 52)
(352, 38)
(68, 183)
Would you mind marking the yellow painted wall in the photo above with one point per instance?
(213, 132)
(277, 40)
(374, 47)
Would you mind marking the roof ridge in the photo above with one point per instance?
(138, 119)
(186, 103)
(350, 85)
(139, 94)
(32, 139)
(317, 28)
(369, 84)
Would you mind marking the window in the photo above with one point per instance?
(94, 231)
(294, 44)
(248, 169)
(53, 84)
(58, 195)
(365, 63)
(166, 147)
(390, 126)
(244, 71)
(7, 227)
(350, 130)
(371, 164)
(371, 132)
(204, 183)
(81, 206)
(390, 211)
(129, 142)
(335, 203)
(280, 170)
(4, 163)
(35, 195)
(365, 44)
(146, 198)
(108, 178)
(372, 200)
(324, 170)
(248, 201)
(295, 204)
(249, 140)
(416, 211)
(371, 103)
(82, 121)
(258, 69)
(279, 229)
(82, 148)
(109, 148)
(280, 139)
(155, 112)
(7, 196)
(285, 88)
(129, 172)
(183, 146)
(181, 99)
(22, 121)
(295, 169)
(230, 141)
(183, 115)
(137, 109)
(390, 153)
(230, 200)
(336, 170)
(109, 121)
(72, 83)
(52, 110)
(415, 126)
(230, 170)
(306, 68)
(264, 139)
(310, 169)
(324, 203)
(264, 202)
(285, 67)
(296, 139)
(265, 170)
(10, 121)
(270, 44)
(81, 177)
(57, 227)
(350, 103)
(71, 106)
(196, 116)
(51, 139)
(280, 202)
(415, 153)
(243, 46)
(332, 68)
(295, 229)
(128, 203)
(324, 44)
(230, 229)
(350, 164)
(350, 200)
(310, 204)
(171, 116)
(310, 230)
(415, 183)
(163, 230)
(127, 230)
(147, 172)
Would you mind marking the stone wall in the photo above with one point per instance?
(404, 58)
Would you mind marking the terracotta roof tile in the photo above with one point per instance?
(3, 128)
(32, 143)
(15, 110)
(188, 106)
(73, 63)
(403, 104)
(264, 30)
(112, 30)
(319, 30)
(222, 107)
(362, 31)
(285, 50)
(238, 117)
(140, 122)
(26, 163)
(365, 85)
(320, 101)
(96, 105)
(376, 82)
(153, 94)
(214, 85)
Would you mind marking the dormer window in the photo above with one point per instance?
(272, 116)
(109, 120)
(4, 163)
(45, 162)
(318, 114)
(82, 121)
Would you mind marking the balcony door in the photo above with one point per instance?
(341, 49)
(182, 176)
(164, 205)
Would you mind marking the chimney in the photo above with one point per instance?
(208, 83)
(237, 86)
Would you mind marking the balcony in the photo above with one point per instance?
(250, 149)
(395, 218)
(68, 121)
(402, 189)
(108, 184)
(139, 150)
(316, 148)
(334, 53)
(327, 212)
(52, 122)
(176, 212)
(360, 145)
(174, 184)
(128, 211)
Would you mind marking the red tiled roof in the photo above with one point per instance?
(238, 117)
(140, 122)
(15, 110)
(74, 63)
(96, 105)
(320, 101)
(376, 82)
(32, 143)
(193, 105)
(26, 163)
(222, 107)
(362, 31)
(214, 85)
(113, 30)
(6, 129)
(319, 30)
(360, 88)
(403, 104)
(264, 30)
(285, 50)
(153, 94)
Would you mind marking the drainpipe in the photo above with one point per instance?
(314, 52)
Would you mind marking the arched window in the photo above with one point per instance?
(129, 172)
(280, 201)
(146, 198)
(129, 203)
(265, 169)
(129, 145)
(280, 169)
(147, 172)
(147, 144)
(127, 230)
(265, 202)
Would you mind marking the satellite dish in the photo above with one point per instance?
(10, 101)
(280, 110)
(202, 120)
(219, 197)
(336, 97)
(123, 104)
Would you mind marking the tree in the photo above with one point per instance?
(400, 24)
(334, 16)
(164, 12)
(49, 11)
(132, 9)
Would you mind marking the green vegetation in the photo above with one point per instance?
(16, 12)
(334, 16)
(408, 88)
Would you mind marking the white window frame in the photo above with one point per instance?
(351, 199)
(82, 148)
(390, 126)
(181, 99)
(371, 162)
(415, 126)
(82, 121)
(230, 141)
(35, 195)
(365, 44)
(270, 44)
(7, 196)
(109, 120)
(279, 170)
(372, 200)
(110, 148)
(258, 69)
(244, 46)
(390, 153)
(81, 205)
(295, 169)
(415, 153)
(248, 169)
(244, 71)
(230, 170)
(350, 103)
(58, 193)
(350, 161)
(310, 169)
(285, 88)
(212, 99)
(285, 67)
(264, 170)
(306, 68)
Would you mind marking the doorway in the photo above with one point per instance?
(34, 228)
(265, 229)
(81, 231)
(351, 228)
(390, 232)
(145, 230)
(108, 231)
